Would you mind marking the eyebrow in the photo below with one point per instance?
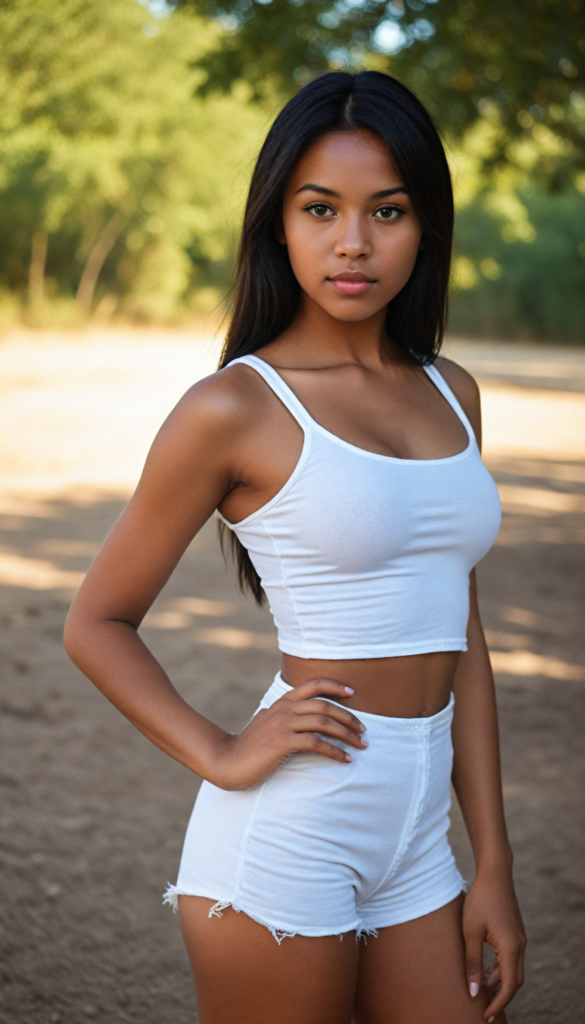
(329, 191)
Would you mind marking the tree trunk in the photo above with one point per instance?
(36, 271)
(97, 258)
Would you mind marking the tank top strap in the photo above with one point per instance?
(280, 388)
(442, 386)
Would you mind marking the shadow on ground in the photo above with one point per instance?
(93, 816)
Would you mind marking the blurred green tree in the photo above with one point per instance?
(115, 183)
(519, 268)
(127, 137)
(505, 81)
(519, 63)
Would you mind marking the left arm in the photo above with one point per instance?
(491, 910)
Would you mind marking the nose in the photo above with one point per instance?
(352, 240)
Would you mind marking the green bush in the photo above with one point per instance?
(121, 187)
(522, 278)
(116, 182)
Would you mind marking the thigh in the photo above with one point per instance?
(243, 974)
(414, 973)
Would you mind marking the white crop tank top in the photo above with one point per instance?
(368, 556)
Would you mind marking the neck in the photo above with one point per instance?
(320, 339)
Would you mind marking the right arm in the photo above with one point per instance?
(189, 470)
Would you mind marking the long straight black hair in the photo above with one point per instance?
(266, 293)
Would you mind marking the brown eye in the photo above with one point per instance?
(387, 213)
(320, 210)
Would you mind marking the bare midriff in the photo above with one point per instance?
(411, 686)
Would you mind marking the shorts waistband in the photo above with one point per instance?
(278, 688)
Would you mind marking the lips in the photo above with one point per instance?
(351, 282)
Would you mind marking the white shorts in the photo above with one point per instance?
(324, 848)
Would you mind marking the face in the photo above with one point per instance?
(349, 226)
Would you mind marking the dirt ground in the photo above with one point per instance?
(93, 816)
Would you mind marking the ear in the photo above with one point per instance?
(279, 229)
(422, 244)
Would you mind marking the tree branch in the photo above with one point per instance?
(97, 258)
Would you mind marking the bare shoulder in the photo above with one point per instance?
(206, 440)
(460, 381)
(465, 389)
(221, 403)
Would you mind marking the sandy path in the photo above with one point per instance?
(93, 816)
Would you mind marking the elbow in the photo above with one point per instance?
(74, 635)
(85, 633)
(70, 638)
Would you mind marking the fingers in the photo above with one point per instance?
(499, 1002)
(474, 961)
(304, 698)
(328, 709)
(309, 741)
(325, 724)
(311, 713)
(314, 687)
(511, 976)
(494, 976)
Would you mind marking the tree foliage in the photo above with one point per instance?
(127, 138)
(519, 63)
(113, 178)
(519, 267)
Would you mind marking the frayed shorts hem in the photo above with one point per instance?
(361, 928)
(320, 839)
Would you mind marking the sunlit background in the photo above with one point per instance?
(128, 133)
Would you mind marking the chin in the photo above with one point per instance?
(354, 318)
(352, 311)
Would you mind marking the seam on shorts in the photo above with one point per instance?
(411, 832)
(424, 795)
(246, 839)
(172, 892)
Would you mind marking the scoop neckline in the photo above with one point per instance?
(364, 451)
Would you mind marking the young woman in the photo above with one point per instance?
(344, 456)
